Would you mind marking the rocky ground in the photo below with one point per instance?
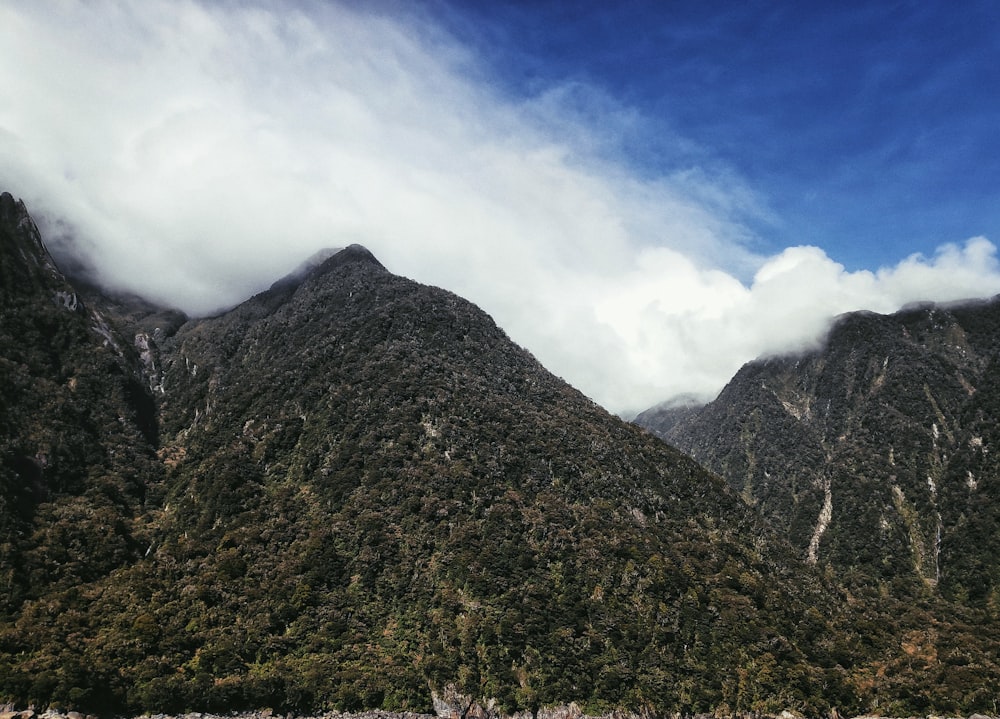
(572, 711)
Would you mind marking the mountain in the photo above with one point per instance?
(354, 491)
(661, 418)
(77, 429)
(876, 452)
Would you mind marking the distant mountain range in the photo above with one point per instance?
(354, 491)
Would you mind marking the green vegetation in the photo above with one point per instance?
(354, 489)
(898, 416)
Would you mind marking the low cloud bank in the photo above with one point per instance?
(689, 331)
(196, 152)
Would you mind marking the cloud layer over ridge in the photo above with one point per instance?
(197, 152)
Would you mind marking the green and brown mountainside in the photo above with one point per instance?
(879, 454)
(353, 491)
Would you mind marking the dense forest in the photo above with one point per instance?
(354, 491)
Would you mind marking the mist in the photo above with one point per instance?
(196, 152)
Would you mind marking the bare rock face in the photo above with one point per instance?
(449, 703)
(568, 711)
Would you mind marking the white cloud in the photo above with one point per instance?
(689, 330)
(202, 150)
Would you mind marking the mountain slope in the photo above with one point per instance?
(455, 513)
(356, 492)
(875, 455)
(77, 441)
(76, 427)
(876, 452)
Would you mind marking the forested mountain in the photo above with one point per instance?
(353, 491)
(77, 429)
(877, 453)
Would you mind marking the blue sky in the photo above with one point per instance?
(645, 195)
(869, 129)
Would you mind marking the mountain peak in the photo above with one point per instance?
(336, 256)
(27, 267)
(350, 254)
(14, 216)
(10, 205)
(325, 260)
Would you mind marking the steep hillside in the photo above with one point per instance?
(77, 430)
(877, 453)
(435, 508)
(354, 491)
